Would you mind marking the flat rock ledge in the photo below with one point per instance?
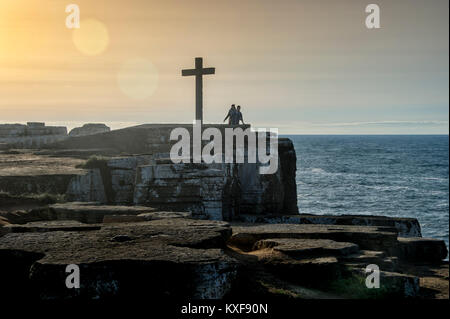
(165, 258)
(406, 227)
(371, 238)
(92, 213)
(307, 247)
(84, 212)
(317, 255)
(138, 252)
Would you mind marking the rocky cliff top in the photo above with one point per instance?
(186, 258)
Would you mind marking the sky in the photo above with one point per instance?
(302, 66)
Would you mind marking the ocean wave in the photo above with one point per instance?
(385, 188)
(321, 171)
(438, 179)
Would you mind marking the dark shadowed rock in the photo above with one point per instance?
(3, 220)
(169, 257)
(421, 249)
(288, 163)
(309, 271)
(23, 217)
(395, 284)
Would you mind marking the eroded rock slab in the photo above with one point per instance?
(50, 226)
(406, 227)
(91, 213)
(111, 219)
(168, 257)
(144, 217)
(310, 271)
(307, 247)
(23, 217)
(162, 215)
(25, 173)
(422, 249)
(370, 238)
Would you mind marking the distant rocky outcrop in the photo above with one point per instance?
(89, 129)
(30, 129)
(31, 135)
(37, 135)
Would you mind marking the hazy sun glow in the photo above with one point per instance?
(91, 38)
(138, 78)
(303, 66)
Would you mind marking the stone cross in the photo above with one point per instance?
(199, 71)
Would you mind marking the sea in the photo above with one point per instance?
(399, 175)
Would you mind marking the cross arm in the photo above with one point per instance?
(196, 72)
(189, 72)
(209, 71)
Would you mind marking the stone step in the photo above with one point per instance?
(90, 213)
(144, 217)
(162, 215)
(303, 248)
(406, 227)
(421, 249)
(50, 226)
(365, 257)
(385, 263)
(366, 237)
(312, 272)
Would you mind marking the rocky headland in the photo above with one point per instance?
(115, 205)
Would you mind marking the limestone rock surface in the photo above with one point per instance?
(406, 227)
(190, 251)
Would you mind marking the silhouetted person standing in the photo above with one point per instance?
(231, 115)
(238, 116)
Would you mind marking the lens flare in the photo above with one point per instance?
(91, 38)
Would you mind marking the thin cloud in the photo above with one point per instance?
(385, 123)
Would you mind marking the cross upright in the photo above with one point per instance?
(199, 71)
